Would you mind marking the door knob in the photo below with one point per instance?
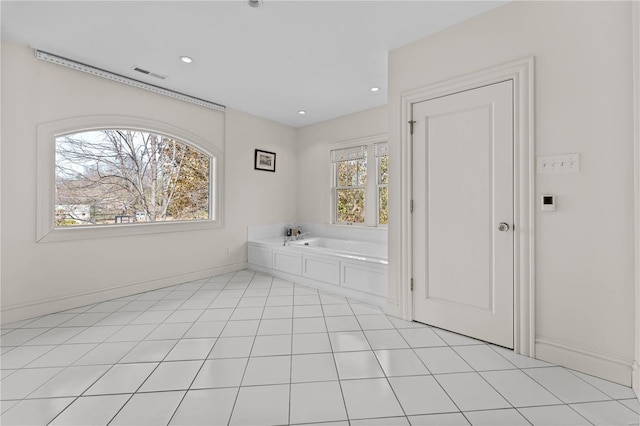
(503, 227)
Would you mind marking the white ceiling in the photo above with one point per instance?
(318, 56)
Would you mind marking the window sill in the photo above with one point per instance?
(358, 225)
(109, 231)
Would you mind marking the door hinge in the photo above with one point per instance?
(411, 284)
(411, 206)
(411, 123)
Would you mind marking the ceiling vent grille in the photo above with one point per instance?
(59, 60)
(149, 73)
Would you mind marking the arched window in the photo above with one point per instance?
(123, 176)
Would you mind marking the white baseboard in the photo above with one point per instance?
(605, 366)
(636, 379)
(23, 311)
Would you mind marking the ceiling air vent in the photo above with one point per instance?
(152, 74)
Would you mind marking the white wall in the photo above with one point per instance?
(314, 192)
(38, 278)
(636, 115)
(584, 251)
(256, 197)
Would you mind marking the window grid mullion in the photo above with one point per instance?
(351, 187)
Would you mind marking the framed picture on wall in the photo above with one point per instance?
(265, 160)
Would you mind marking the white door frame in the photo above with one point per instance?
(521, 72)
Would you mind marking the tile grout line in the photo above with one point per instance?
(572, 372)
(64, 368)
(518, 369)
(558, 405)
(205, 358)
(335, 364)
(433, 375)
(542, 386)
(148, 376)
(478, 373)
(233, 407)
(220, 336)
(548, 390)
(138, 388)
(524, 370)
(291, 352)
(245, 296)
(67, 367)
(386, 377)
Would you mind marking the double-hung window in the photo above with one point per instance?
(359, 188)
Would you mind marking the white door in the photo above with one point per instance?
(463, 213)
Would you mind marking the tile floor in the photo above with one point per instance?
(250, 349)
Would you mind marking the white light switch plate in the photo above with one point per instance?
(565, 163)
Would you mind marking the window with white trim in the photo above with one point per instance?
(118, 176)
(109, 176)
(360, 174)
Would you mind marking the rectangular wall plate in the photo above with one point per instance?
(564, 163)
(548, 203)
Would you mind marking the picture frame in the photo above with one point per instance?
(265, 161)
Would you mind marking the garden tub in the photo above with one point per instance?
(356, 269)
(359, 250)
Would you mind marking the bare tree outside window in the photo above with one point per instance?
(129, 176)
(350, 190)
(383, 189)
(360, 184)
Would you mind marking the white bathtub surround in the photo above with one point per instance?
(339, 232)
(358, 250)
(352, 268)
(347, 232)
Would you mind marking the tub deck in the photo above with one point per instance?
(359, 250)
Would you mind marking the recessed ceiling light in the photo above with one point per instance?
(186, 59)
(254, 3)
(302, 112)
(374, 89)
